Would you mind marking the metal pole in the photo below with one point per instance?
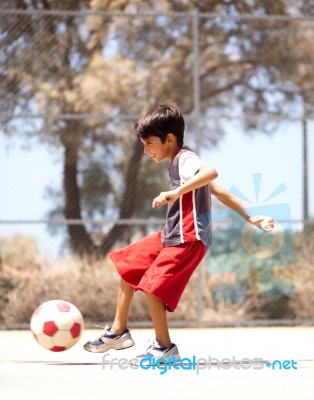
(196, 67)
(305, 172)
(305, 186)
(196, 119)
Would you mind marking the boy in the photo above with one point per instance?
(161, 264)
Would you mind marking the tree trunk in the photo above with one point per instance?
(80, 241)
(128, 205)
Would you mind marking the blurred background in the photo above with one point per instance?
(74, 78)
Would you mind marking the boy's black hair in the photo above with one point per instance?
(164, 119)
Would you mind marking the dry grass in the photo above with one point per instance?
(92, 287)
(304, 304)
(26, 281)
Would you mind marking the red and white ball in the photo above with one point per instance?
(57, 325)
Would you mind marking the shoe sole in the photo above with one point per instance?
(105, 347)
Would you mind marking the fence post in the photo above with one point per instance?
(196, 119)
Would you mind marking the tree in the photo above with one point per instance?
(83, 71)
(46, 63)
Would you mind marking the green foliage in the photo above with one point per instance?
(90, 76)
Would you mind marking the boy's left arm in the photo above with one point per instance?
(204, 176)
(262, 222)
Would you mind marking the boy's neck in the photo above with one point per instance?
(173, 153)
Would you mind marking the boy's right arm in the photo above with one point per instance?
(228, 199)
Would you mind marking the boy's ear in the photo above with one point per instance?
(171, 137)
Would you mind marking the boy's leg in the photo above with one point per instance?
(158, 313)
(161, 348)
(125, 296)
(117, 336)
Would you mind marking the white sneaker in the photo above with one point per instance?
(157, 351)
(110, 340)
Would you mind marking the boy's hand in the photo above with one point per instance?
(165, 198)
(263, 222)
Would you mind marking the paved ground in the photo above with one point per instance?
(28, 371)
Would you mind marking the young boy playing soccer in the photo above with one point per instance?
(161, 264)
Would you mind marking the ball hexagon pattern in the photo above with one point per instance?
(57, 325)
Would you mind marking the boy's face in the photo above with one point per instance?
(157, 150)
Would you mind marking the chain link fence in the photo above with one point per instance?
(73, 83)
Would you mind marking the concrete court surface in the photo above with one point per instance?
(27, 371)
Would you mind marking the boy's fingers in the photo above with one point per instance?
(254, 220)
(159, 201)
(267, 224)
(263, 222)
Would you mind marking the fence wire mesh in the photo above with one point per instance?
(73, 83)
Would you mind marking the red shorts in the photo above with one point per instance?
(162, 271)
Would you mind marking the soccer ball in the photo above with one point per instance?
(57, 325)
